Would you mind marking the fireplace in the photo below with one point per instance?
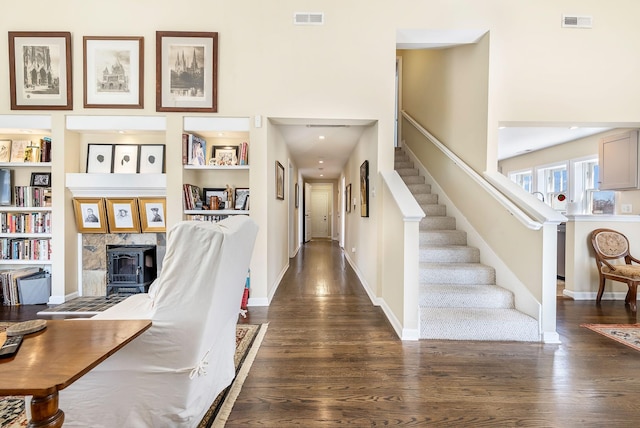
(130, 268)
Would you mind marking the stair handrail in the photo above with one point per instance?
(513, 209)
(405, 201)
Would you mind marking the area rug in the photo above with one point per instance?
(627, 334)
(86, 305)
(248, 340)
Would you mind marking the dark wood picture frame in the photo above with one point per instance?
(41, 179)
(177, 87)
(347, 198)
(223, 155)
(241, 198)
(49, 87)
(279, 181)
(220, 192)
(124, 58)
(151, 159)
(99, 158)
(364, 189)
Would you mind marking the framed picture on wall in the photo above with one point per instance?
(125, 158)
(153, 214)
(40, 70)
(186, 71)
(113, 72)
(122, 214)
(347, 198)
(364, 189)
(90, 215)
(279, 181)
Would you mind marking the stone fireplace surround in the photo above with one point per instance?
(94, 256)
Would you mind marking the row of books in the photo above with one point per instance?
(25, 249)
(38, 222)
(25, 150)
(9, 283)
(244, 154)
(31, 196)
(191, 196)
(207, 217)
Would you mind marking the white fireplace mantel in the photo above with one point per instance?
(116, 185)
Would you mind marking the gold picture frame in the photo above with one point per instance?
(123, 216)
(90, 215)
(153, 214)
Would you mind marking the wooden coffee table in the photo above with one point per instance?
(52, 359)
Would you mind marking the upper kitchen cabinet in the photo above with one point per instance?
(619, 161)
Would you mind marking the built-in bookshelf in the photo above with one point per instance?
(215, 182)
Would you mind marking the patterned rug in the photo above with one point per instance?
(627, 334)
(248, 340)
(88, 305)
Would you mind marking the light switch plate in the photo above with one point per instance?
(626, 208)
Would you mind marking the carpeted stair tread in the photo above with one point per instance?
(443, 237)
(449, 254)
(418, 188)
(426, 198)
(407, 172)
(458, 273)
(477, 324)
(437, 223)
(412, 179)
(467, 295)
(434, 209)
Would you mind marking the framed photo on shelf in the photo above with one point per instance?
(113, 72)
(123, 216)
(5, 150)
(41, 179)
(90, 215)
(242, 198)
(151, 159)
(225, 155)
(221, 193)
(36, 84)
(186, 71)
(125, 158)
(18, 150)
(153, 213)
(99, 158)
(364, 189)
(279, 181)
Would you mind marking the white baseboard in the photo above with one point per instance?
(591, 295)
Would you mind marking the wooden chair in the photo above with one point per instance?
(611, 246)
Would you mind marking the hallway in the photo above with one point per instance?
(331, 358)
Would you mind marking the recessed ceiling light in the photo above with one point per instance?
(321, 175)
(320, 161)
(573, 127)
(121, 132)
(321, 137)
(220, 134)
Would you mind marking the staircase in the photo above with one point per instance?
(459, 298)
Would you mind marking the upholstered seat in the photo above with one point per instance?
(615, 263)
(170, 375)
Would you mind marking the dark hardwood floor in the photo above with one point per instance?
(330, 358)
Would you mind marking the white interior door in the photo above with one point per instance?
(320, 214)
(307, 212)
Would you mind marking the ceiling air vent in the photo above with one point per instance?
(308, 18)
(574, 21)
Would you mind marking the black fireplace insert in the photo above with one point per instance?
(130, 268)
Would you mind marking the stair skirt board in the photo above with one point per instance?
(458, 297)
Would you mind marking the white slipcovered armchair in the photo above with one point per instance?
(170, 375)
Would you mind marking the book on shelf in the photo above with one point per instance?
(18, 148)
(45, 149)
(23, 222)
(207, 217)
(191, 196)
(244, 154)
(195, 148)
(9, 283)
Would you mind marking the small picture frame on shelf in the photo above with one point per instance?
(225, 155)
(279, 181)
(123, 216)
(125, 158)
(153, 214)
(26, 52)
(242, 198)
(151, 159)
(219, 192)
(41, 179)
(18, 149)
(100, 158)
(90, 215)
(113, 72)
(192, 87)
(5, 150)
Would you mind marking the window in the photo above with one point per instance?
(523, 179)
(585, 181)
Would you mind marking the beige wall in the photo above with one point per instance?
(537, 71)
